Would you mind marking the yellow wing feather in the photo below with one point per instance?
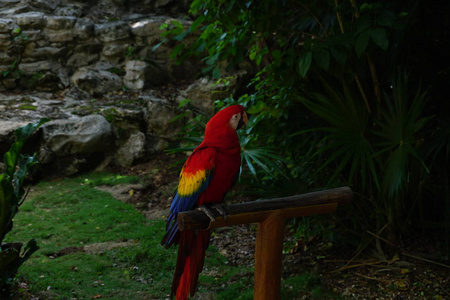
(191, 182)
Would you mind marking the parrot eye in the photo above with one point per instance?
(234, 122)
(237, 121)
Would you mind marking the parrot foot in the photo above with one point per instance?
(207, 212)
(221, 210)
(210, 215)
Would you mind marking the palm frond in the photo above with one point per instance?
(346, 139)
(399, 128)
(265, 158)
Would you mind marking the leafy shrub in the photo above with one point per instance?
(329, 93)
(12, 195)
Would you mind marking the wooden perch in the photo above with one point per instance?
(271, 215)
(256, 211)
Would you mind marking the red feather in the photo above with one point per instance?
(208, 174)
(191, 256)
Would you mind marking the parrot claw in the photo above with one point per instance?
(210, 215)
(221, 211)
(207, 212)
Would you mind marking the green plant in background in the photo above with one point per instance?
(328, 96)
(13, 70)
(379, 156)
(19, 35)
(12, 195)
(130, 51)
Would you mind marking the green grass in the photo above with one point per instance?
(109, 179)
(72, 213)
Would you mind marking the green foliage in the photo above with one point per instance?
(328, 96)
(12, 194)
(346, 138)
(380, 155)
(19, 35)
(130, 51)
(400, 129)
(12, 68)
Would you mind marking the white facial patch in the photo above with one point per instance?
(234, 122)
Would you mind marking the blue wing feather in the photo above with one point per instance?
(180, 204)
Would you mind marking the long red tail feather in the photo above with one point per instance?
(191, 255)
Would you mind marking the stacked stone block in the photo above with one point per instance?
(43, 51)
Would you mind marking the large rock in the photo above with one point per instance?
(83, 55)
(36, 67)
(112, 31)
(84, 29)
(46, 5)
(34, 20)
(161, 124)
(47, 75)
(32, 50)
(96, 82)
(6, 25)
(205, 91)
(73, 146)
(132, 150)
(115, 49)
(148, 27)
(60, 36)
(69, 10)
(136, 71)
(90, 134)
(60, 22)
(78, 140)
(202, 94)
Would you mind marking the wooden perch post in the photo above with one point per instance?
(271, 215)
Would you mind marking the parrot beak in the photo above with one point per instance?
(243, 121)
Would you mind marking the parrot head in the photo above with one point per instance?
(221, 129)
(232, 117)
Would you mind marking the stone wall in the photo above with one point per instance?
(95, 47)
(91, 68)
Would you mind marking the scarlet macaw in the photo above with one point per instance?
(207, 175)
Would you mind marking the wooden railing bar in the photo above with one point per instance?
(255, 211)
(271, 215)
